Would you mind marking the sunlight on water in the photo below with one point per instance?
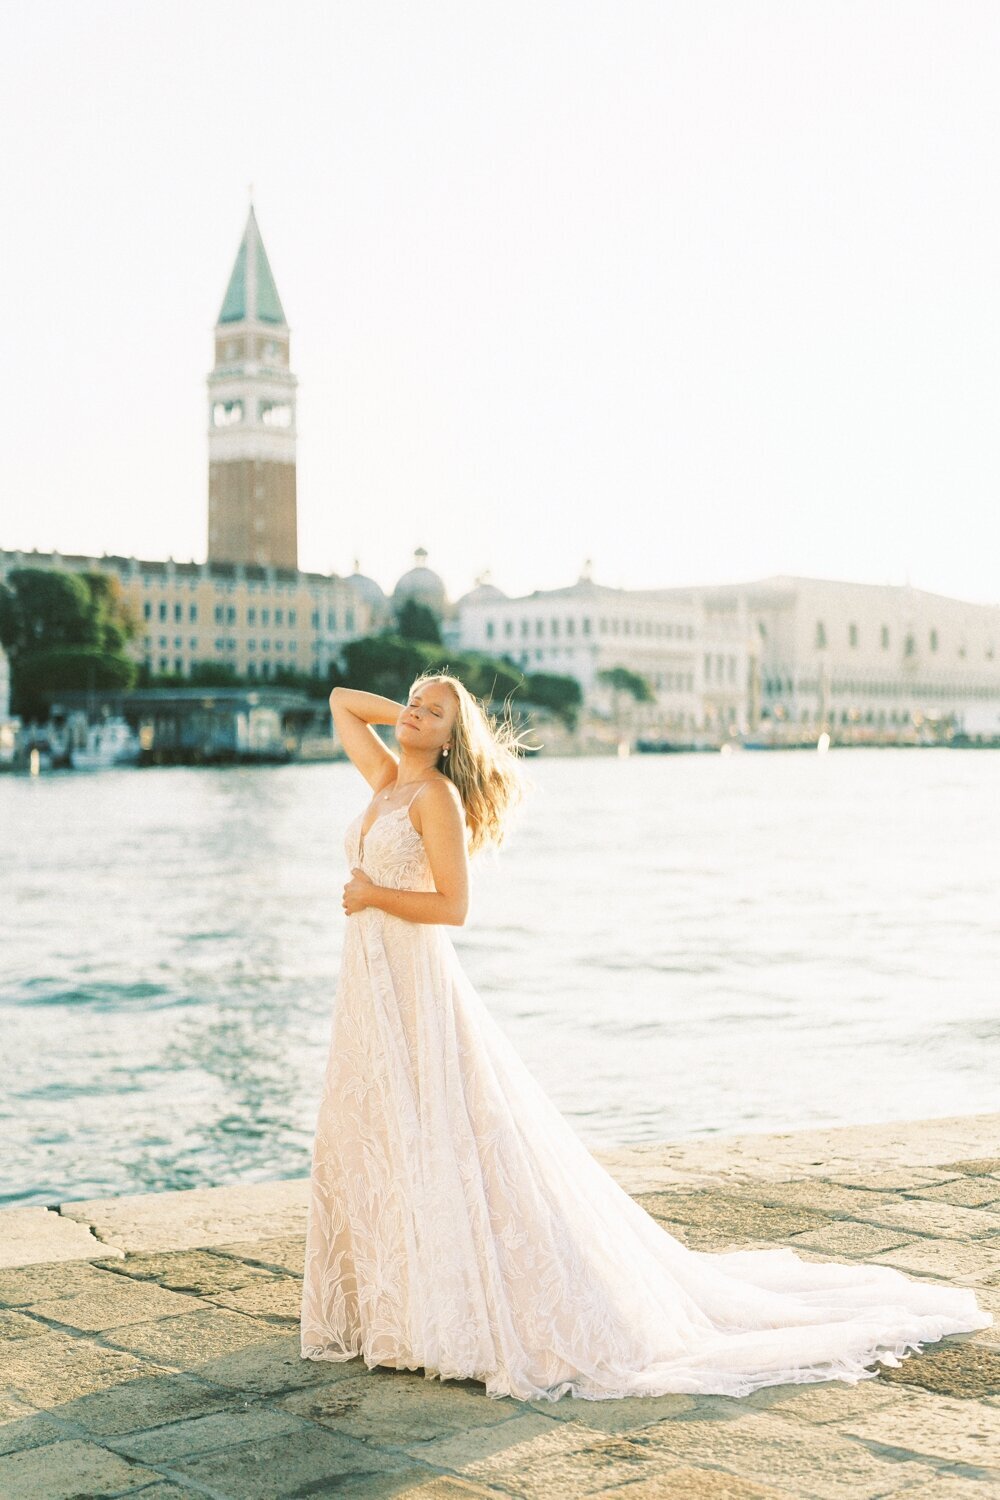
(677, 946)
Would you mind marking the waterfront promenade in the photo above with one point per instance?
(149, 1346)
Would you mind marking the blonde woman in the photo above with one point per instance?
(456, 1223)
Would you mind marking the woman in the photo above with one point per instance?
(457, 1224)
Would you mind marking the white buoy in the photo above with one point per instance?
(823, 743)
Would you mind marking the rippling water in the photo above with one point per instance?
(677, 945)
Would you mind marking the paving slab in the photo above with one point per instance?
(930, 1426)
(44, 1235)
(771, 1449)
(211, 1432)
(276, 1301)
(68, 1469)
(115, 1303)
(40, 1282)
(974, 1262)
(963, 1192)
(409, 1407)
(186, 1342)
(194, 1217)
(201, 1271)
(535, 1459)
(312, 1461)
(52, 1370)
(154, 1398)
(947, 1486)
(696, 1484)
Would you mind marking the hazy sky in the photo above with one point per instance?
(701, 291)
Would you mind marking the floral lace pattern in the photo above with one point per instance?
(457, 1224)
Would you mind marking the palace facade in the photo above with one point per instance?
(784, 657)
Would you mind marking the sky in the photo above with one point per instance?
(701, 292)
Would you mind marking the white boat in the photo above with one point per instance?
(111, 743)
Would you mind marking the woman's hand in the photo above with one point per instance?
(357, 891)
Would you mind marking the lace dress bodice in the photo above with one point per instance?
(392, 852)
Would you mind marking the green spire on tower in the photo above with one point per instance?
(251, 294)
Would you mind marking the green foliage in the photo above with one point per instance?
(302, 682)
(388, 663)
(207, 674)
(562, 695)
(61, 631)
(385, 664)
(112, 621)
(41, 608)
(621, 680)
(43, 674)
(418, 622)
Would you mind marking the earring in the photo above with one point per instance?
(445, 750)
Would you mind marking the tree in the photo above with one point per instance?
(114, 622)
(210, 673)
(388, 663)
(384, 664)
(418, 622)
(40, 609)
(621, 680)
(43, 675)
(293, 677)
(63, 630)
(562, 695)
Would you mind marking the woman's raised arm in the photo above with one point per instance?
(354, 711)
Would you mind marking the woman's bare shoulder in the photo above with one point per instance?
(437, 794)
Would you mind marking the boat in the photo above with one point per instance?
(658, 747)
(110, 743)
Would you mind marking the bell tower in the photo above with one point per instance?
(252, 515)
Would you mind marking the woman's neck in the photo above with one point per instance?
(412, 770)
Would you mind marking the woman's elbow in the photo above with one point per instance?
(458, 914)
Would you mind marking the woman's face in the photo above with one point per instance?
(428, 717)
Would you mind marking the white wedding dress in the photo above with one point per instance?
(457, 1223)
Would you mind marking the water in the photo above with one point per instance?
(677, 945)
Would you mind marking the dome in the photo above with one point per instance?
(366, 588)
(421, 583)
(483, 592)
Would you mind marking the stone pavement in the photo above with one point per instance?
(149, 1346)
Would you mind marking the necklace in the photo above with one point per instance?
(388, 791)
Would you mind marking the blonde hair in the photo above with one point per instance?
(482, 761)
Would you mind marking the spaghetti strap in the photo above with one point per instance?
(416, 794)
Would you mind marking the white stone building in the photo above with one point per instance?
(585, 628)
(782, 658)
(870, 661)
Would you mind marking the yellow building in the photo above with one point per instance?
(254, 618)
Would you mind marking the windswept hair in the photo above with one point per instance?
(483, 762)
